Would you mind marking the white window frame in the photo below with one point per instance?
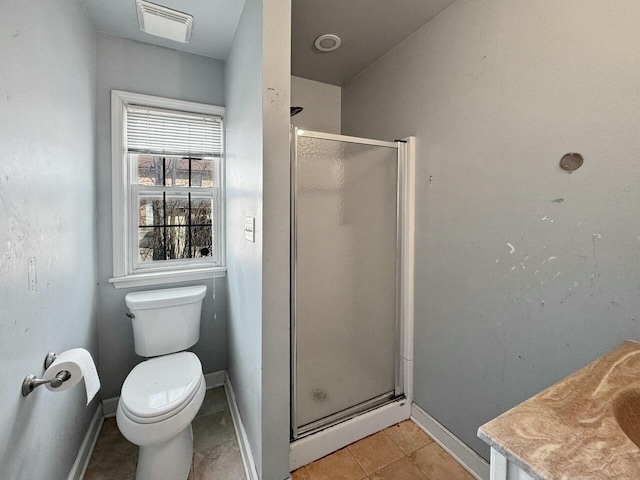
(124, 274)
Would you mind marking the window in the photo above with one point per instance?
(168, 162)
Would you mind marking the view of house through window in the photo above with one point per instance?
(174, 223)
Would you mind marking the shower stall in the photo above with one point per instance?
(349, 314)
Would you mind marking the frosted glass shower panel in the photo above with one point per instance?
(345, 280)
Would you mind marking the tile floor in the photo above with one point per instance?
(215, 449)
(401, 452)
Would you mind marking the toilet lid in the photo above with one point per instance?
(161, 385)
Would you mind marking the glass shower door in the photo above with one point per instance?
(345, 250)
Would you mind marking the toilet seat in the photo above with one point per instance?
(161, 387)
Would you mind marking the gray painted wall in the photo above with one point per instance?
(243, 86)
(496, 92)
(321, 102)
(257, 89)
(47, 211)
(142, 68)
(276, 360)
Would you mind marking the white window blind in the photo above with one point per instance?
(155, 131)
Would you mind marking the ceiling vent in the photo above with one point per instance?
(164, 22)
(327, 42)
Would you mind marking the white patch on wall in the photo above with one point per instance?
(250, 229)
(33, 281)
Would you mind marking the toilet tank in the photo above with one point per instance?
(165, 321)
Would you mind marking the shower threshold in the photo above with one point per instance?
(372, 416)
(347, 414)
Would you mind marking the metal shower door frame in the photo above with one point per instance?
(401, 340)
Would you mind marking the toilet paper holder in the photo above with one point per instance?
(31, 381)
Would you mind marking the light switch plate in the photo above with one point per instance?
(250, 229)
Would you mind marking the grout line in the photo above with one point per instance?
(397, 446)
(366, 475)
(404, 454)
(384, 466)
(392, 440)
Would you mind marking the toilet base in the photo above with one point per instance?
(170, 460)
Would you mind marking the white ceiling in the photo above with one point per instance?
(214, 23)
(368, 29)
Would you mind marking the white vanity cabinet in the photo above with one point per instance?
(503, 469)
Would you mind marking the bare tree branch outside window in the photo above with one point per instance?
(175, 225)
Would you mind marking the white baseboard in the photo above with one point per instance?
(329, 440)
(212, 380)
(470, 460)
(215, 379)
(250, 470)
(109, 407)
(88, 444)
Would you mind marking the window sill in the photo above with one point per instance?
(161, 278)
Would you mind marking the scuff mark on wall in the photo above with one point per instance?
(569, 293)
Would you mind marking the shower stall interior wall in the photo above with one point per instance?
(349, 309)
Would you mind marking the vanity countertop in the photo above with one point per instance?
(571, 430)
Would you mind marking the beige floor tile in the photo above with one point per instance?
(375, 452)
(114, 458)
(220, 462)
(212, 430)
(437, 464)
(403, 469)
(408, 436)
(217, 455)
(300, 474)
(338, 466)
(215, 400)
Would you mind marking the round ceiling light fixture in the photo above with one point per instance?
(328, 42)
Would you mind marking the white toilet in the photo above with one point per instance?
(161, 396)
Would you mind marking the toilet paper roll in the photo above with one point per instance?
(79, 363)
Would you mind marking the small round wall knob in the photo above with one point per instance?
(571, 162)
